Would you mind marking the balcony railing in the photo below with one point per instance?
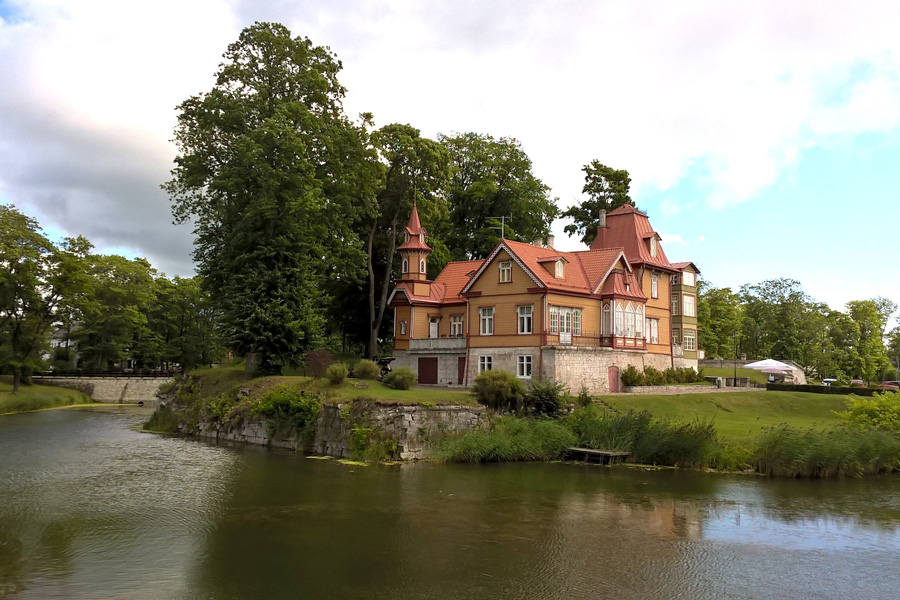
(443, 343)
(592, 341)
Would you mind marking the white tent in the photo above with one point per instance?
(765, 365)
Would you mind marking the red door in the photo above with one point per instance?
(428, 371)
(461, 370)
(614, 379)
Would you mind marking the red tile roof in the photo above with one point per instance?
(446, 287)
(629, 228)
(413, 229)
(681, 266)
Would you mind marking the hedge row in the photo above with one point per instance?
(822, 389)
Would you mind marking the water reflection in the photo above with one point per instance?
(92, 509)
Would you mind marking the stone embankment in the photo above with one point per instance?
(112, 390)
(418, 430)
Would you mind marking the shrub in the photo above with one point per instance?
(336, 373)
(544, 397)
(365, 369)
(881, 411)
(498, 389)
(631, 376)
(510, 439)
(672, 376)
(288, 405)
(400, 379)
(584, 397)
(653, 376)
(317, 362)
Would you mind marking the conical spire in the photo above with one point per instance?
(415, 233)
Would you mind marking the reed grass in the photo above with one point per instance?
(511, 439)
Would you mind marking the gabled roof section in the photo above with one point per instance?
(584, 273)
(455, 276)
(622, 283)
(629, 228)
(682, 265)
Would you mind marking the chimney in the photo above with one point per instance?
(550, 240)
(601, 223)
(538, 242)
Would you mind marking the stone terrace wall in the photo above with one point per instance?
(116, 390)
(417, 429)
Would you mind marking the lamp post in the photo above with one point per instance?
(734, 337)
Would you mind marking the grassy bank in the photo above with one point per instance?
(737, 416)
(752, 374)
(36, 397)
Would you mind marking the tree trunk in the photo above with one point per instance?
(17, 373)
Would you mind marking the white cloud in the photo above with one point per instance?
(732, 92)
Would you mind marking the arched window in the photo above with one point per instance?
(405, 267)
(422, 266)
(639, 321)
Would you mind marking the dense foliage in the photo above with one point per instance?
(500, 390)
(402, 378)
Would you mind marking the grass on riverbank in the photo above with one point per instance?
(738, 416)
(36, 397)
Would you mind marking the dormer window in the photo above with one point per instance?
(653, 246)
(422, 237)
(406, 236)
(559, 268)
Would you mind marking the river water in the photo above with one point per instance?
(90, 508)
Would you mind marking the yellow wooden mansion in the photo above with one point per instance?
(576, 317)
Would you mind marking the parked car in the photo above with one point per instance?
(890, 385)
(858, 382)
(829, 381)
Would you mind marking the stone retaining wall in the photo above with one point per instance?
(115, 390)
(417, 429)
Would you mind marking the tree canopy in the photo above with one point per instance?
(607, 189)
(267, 172)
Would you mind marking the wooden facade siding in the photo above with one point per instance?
(489, 282)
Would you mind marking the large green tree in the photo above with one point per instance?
(267, 170)
(719, 318)
(607, 189)
(871, 317)
(492, 178)
(414, 169)
(36, 279)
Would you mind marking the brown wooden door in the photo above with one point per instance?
(428, 370)
(614, 379)
(461, 370)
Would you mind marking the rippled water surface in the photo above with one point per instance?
(90, 508)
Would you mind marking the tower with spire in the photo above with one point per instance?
(414, 254)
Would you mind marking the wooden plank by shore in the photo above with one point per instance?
(603, 457)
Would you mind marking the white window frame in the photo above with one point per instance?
(653, 247)
(422, 268)
(523, 366)
(676, 305)
(639, 321)
(576, 321)
(485, 363)
(673, 280)
(606, 328)
(690, 339)
(554, 319)
(653, 331)
(676, 335)
(486, 320)
(560, 269)
(630, 325)
(690, 305)
(506, 271)
(456, 326)
(619, 320)
(405, 266)
(525, 319)
(687, 278)
(654, 285)
(402, 327)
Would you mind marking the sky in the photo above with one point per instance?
(762, 138)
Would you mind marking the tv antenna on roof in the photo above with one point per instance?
(502, 227)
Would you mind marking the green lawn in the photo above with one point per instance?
(36, 397)
(726, 371)
(738, 416)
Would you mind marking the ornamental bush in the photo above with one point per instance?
(544, 397)
(336, 373)
(500, 390)
(400, 379)
(365, 369)
(631, 376)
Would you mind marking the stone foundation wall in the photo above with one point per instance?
(589, 367)
(114, 390)
(417, 429)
